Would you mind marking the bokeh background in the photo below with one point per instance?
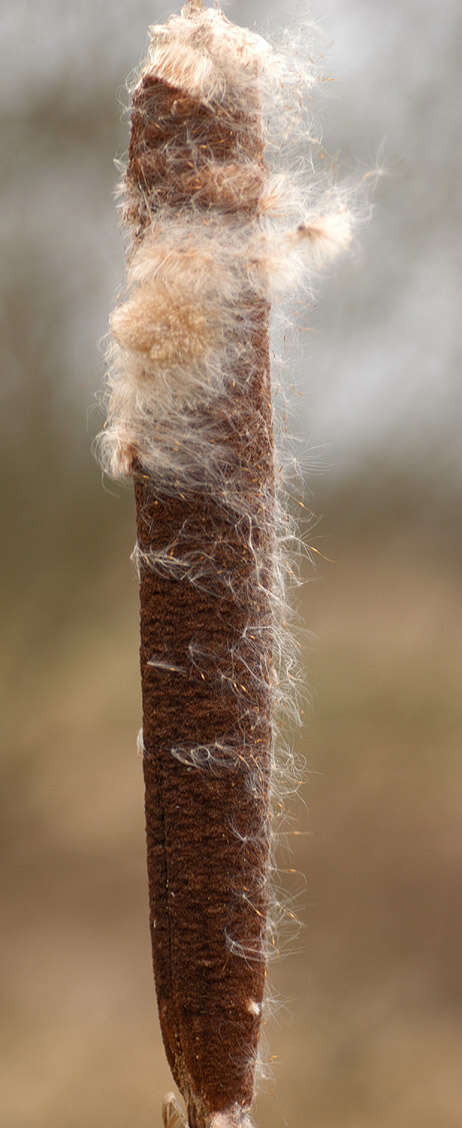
(366, 1027)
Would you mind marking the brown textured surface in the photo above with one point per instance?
(207, 883)
(174, 142)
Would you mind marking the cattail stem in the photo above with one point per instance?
(190, 421)
(207, 823)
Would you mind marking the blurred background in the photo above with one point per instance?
(366, 1030)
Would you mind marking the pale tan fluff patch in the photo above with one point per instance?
(167, 331)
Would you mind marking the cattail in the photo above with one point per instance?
(190, 420)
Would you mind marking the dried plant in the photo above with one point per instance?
(215, 236)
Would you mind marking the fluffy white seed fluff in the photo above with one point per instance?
(201, 52)
(173, 1116)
